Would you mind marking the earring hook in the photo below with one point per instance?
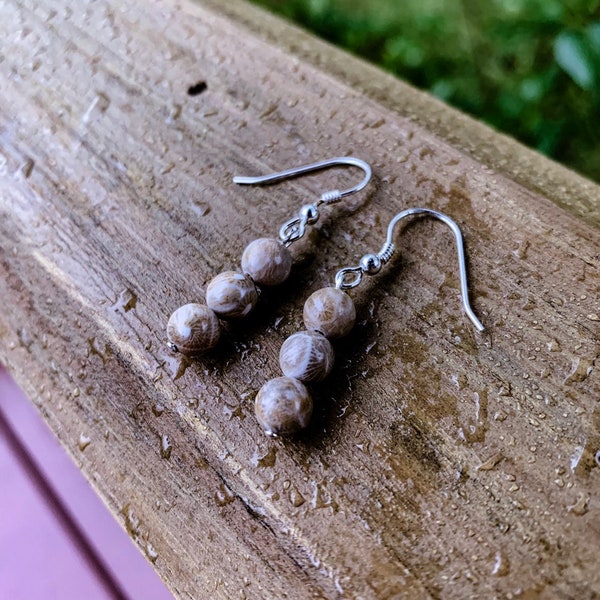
(326, 197)
(371, 264)
(294, 229)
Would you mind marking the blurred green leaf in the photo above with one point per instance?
(442, 89)
(574, 55)
(593, 35)
(532, 89)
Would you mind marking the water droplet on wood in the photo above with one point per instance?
(174, 112)
(224, 496)
(580, 507)
(201, 208)
(553, 346)
(267, 460)
(25, 338)
(132, 523)
(521, 251)
(151, 553)
(83, 442)
(501, 566)
(126, 301)
(26, 168)
(491, 462)
(165, 447)
(296, 498)
(580, 369)
(98, 105)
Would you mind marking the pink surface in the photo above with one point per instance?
(57, 539)
(37, 557)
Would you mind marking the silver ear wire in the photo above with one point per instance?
(370, 264)
(326, 197)
(294, 229)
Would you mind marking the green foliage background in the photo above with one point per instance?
(528, 67)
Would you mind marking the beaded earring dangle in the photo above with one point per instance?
(195, 328)
(283, 405)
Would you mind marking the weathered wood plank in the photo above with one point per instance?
(441, 463)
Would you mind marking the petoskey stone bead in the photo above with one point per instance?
(283, 406)
(330, 311)
(231, 295)
(267, 261)
(193, 329)
(307, 356)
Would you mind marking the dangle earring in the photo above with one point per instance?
(195, 328)
(283, 405)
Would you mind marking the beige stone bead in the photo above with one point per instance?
(193, 329)
(267, 261)
(283, 406)
(307, 356)
(231, 295)
(330, 311)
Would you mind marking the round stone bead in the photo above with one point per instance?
(267, 261)
(231, 295)
(193, 328)
(307, 356)
(330, 311)
(283, 406)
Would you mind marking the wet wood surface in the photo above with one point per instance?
(441, 463)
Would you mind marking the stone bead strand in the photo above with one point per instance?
(283, 405)
(195, 328)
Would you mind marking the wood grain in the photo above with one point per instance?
(441, 463)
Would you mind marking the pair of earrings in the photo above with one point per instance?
(283, 405)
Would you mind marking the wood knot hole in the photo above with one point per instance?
(197, 88)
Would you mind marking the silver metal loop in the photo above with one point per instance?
(292, 230)
(348, 278)
(352, 276)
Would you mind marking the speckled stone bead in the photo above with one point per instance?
(283, 406)
(307, 356)
(193, 329)
(231, 295)
(267, 261)
(330, 311)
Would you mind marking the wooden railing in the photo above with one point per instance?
(441, 463)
